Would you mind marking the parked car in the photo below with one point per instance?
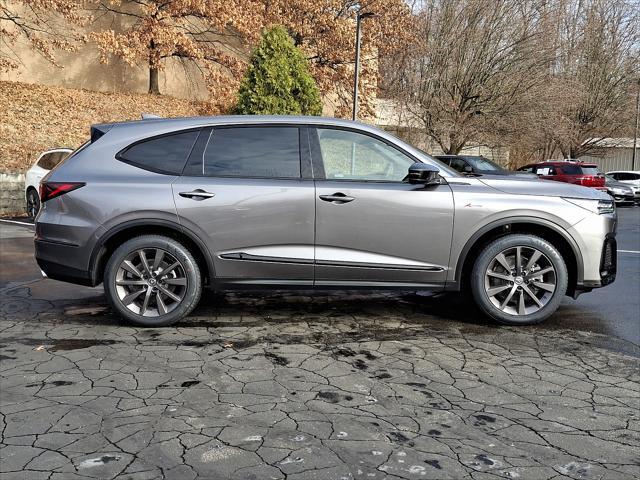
(579, 173)
(474, 165)
(621, 192)
(159, 209)
(46, 162)
(630, 178)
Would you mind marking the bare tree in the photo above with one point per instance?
(596, 62)
(469, 68)
(44, 25)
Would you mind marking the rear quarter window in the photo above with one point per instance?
(166, 154)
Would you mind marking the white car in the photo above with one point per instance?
(45, 163)
(631, 178)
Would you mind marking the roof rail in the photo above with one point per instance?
(149, 116)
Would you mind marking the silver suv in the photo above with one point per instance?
(160, 209)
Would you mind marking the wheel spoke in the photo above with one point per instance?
(143, 261)
(169, 293)
(131, 282)
(549, 287)
(518, 260)
(539, 273)
(176, 281)
(132, 296)
(162, 308)
(509, 297)
(168, 269)
(492, 292)
(145, 304)
(131, 268)
(503, 261)
(533, 296)
(533, 259)
(521, 306)
(501, 276)
(157, 259)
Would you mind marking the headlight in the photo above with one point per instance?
(595, 206)
(619, 191)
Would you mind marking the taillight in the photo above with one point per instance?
(49, 190)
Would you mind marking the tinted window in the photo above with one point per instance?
(353, 156)
(50, 160)
(271, 152)
(458, 164)
(571, 170)
(481, 163)
(166, 154)
(626, 176)
(590, 170)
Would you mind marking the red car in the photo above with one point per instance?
(579, 173)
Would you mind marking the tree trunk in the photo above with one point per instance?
(154, 87)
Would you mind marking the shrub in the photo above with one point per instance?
(278, 81)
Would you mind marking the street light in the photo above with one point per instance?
(359, 18)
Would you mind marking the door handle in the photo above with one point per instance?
(197, 194)
(337, 198)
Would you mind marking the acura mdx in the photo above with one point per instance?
(160, 209)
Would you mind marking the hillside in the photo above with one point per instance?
(34, 118)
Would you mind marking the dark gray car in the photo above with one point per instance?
(158, 209)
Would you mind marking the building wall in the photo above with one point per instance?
(615, 159)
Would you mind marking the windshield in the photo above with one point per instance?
(590, 170)
(484, 164)
(445, 169)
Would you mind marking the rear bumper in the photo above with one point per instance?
(49, 255)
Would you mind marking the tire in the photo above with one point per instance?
(139, 294)
(33, 203)
(491, 283)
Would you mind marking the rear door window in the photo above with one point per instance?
(253, 152)
(166, 154)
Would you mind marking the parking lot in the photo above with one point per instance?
(324, 385)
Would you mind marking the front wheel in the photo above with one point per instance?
(519, 279)
(152, 281)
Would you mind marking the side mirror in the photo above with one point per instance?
(423, 173)
(467, 169)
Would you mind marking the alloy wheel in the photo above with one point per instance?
(33, 203)
(520, 280)
(151, 282)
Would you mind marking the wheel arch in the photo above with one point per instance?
(550, 231)
(119, 234)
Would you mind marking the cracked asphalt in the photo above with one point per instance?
(338, 385)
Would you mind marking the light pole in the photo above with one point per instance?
(359, 18)
(635, 131)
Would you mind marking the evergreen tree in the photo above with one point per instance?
(278, 81)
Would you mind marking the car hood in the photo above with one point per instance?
(614, 184)
(527, 186)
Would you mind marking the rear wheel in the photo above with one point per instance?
(152, 281)
(33, 203)
(519, 279)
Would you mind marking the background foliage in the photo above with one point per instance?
(34, 118)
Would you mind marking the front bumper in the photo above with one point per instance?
(596, 239)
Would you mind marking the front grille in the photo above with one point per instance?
(609, 261)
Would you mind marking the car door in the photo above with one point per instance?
(244, 192)
(372, 228)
